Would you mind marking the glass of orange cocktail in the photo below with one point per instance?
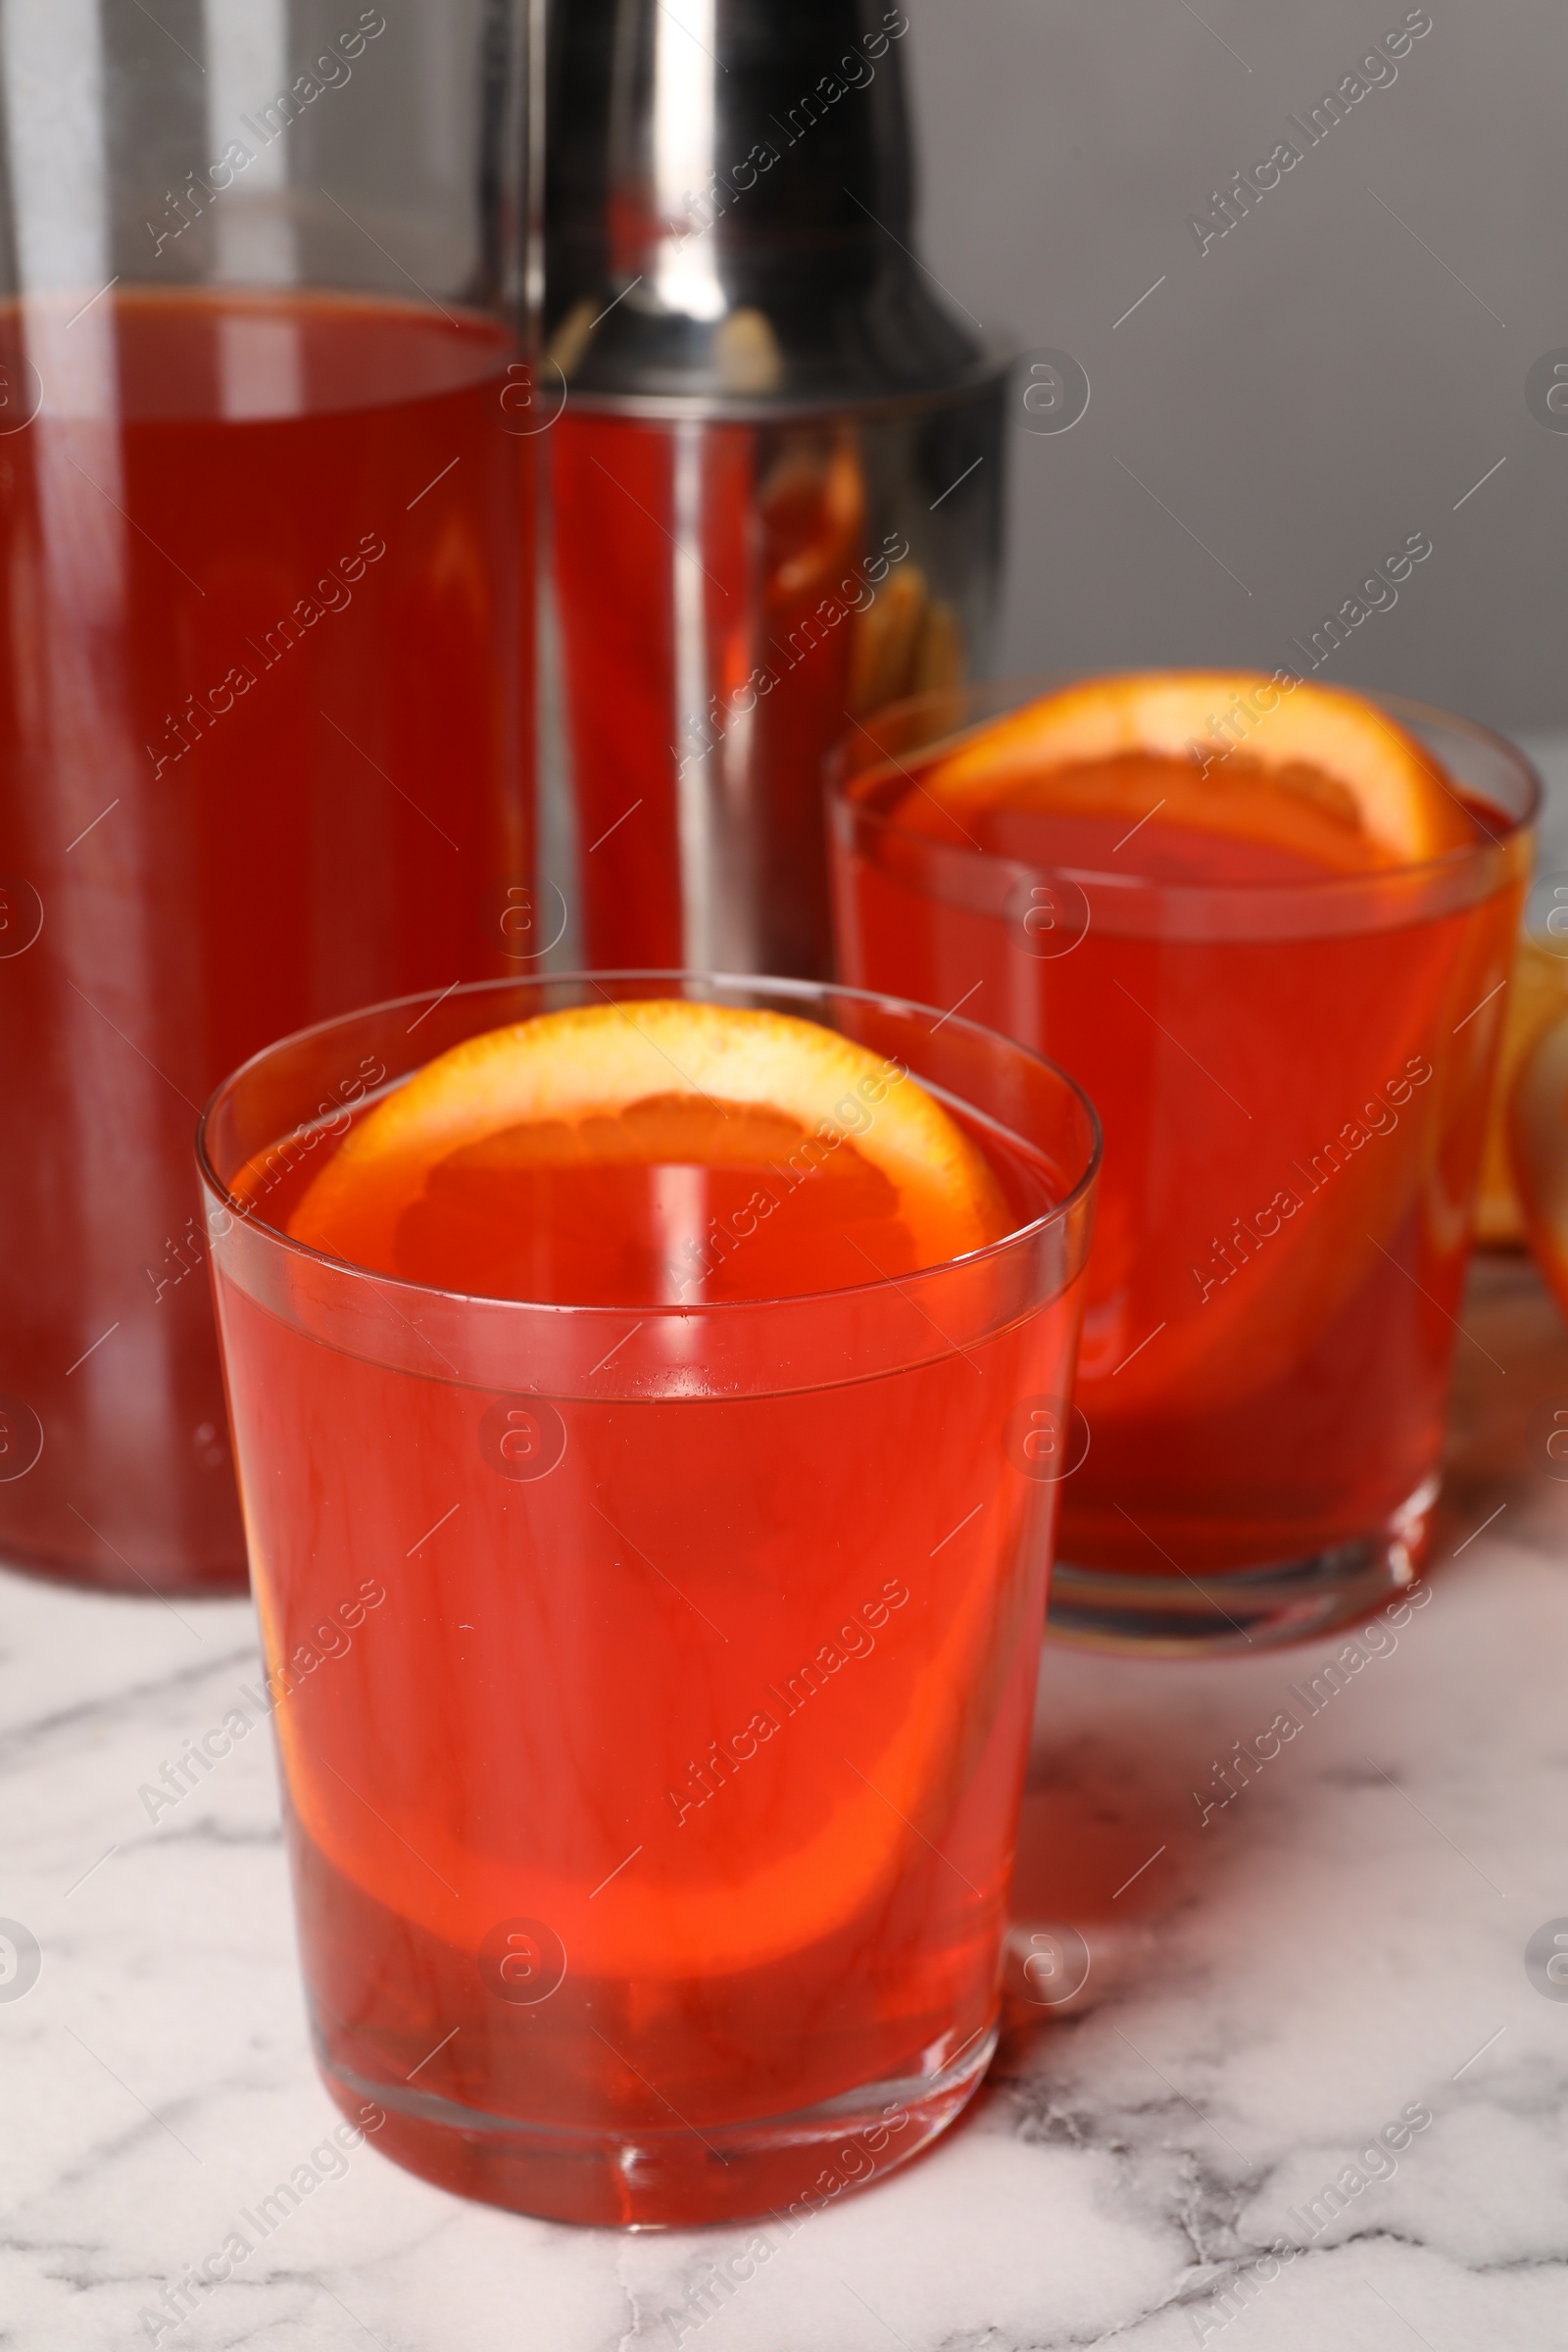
(1268, 928)
(638, 1387)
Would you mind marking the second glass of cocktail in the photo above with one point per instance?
(637, 1387)
(1268, 927)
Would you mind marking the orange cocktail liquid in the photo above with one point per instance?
(1291, 1070)
(671, 1784)
(263, 753)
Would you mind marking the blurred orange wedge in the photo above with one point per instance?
(1309, 769)
(1538, 1137)
(1538, 995)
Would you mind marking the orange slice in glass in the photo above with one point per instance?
(583, 1155)
(633, 1088)
(1308, 768)
(694, 1911)
(1292, 766)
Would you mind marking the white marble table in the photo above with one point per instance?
(1342, 1943)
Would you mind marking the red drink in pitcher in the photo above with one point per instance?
(1270, 941)
(636, 1414)
(265, 747)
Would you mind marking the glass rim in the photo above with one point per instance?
(1010, 692)
(1060, 1214)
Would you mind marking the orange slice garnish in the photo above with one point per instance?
(435, 1183)
(1537, 997)
(1538, 1137)
(1314, 769)
(668, 1083)
(1329, 778)
(700, 1906)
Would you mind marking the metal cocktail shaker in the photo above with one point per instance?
(775, 482)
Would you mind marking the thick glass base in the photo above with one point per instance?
(1175, 1615)
(667, 2176)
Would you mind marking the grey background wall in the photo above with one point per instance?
(1322, 381)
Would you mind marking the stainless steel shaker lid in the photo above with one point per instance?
(728, 211)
